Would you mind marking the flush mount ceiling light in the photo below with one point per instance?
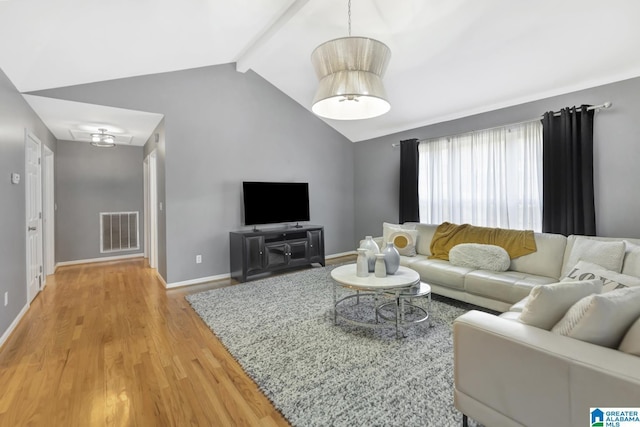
(103, 139)
(350, 71)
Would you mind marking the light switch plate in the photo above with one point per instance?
(15, 178)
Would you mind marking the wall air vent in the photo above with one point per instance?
(118, 231)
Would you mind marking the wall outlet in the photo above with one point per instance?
(6, 298)
(198, 259)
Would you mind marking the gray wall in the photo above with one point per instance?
(15, 117)
(223, 127)
(616, 151)
(160, 149)
(90, 180)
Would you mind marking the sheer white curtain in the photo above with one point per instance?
(489, 178)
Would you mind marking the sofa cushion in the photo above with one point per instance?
(631, 264)
(584, 270)
(606, 253)
(425, 234)
(510, 315)
(479, 256)
(547, 304)
(439, 272)
(631, 341)
(508, 286)
(547, 260)
(601, 319)
(409, 261)
(519, 306)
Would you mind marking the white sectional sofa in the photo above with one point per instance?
(508, 373)
(496, 290)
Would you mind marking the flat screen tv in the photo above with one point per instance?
(275, 202)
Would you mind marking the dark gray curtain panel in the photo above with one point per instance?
(568, 196)
(409, 210)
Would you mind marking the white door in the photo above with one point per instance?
(33, 189)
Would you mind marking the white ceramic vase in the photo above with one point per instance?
(391, 258)
(362, 263)
(372, 250)
(380, 266)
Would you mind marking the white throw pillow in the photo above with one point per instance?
(584, 270)
(388, 229)
(405, 241)
(606, 254)
(601, 319)
(631, 341)
(631, 264)
(482, 257)
(548, 303)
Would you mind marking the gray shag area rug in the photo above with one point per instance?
(281, 331)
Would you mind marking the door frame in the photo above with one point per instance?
(151, 209)
(48, 213)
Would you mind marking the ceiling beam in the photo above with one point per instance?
(243, 62)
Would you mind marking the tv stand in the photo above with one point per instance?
(254, 252)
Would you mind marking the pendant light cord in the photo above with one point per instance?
(349, 13)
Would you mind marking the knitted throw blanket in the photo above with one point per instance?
(516, 242)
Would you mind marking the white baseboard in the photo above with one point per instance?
(197, 281)
(102, 259)
(13, 325)
(340, 255)
(201, 280)
(159, 276)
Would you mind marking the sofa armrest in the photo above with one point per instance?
(509, 373)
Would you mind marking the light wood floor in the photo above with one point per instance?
(106, 345)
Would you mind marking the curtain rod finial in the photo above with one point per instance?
(607, 104)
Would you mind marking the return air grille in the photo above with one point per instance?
(118, 231)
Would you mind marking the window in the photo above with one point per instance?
(490, 178)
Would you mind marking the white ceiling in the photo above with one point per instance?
(449, 58)
(76, 121)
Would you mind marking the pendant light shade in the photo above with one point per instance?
(350, 71)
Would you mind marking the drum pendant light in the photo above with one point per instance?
(350, 71)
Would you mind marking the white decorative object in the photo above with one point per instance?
(609, 255)
(479, 256)
(380, 269)
(405, 242)
(601, 319)
(548, 303)
(631, 341)
(585, 270)
(362, 263)
(372, 249)
(391, 258)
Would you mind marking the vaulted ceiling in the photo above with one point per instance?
(449, 58)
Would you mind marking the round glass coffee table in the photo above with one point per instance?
(404, 301)
(393, 284)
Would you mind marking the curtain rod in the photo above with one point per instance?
(602, 106)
